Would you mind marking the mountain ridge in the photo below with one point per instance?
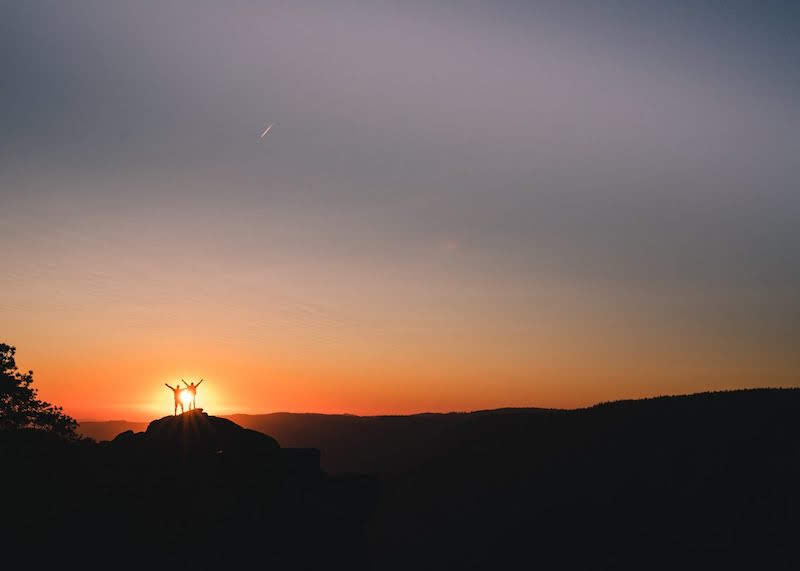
(397, 443)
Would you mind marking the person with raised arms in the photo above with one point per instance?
(192, 388)
(177, 392)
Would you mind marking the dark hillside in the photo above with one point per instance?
(377, 444)
(700, 481)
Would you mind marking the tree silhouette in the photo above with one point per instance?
(19, 407)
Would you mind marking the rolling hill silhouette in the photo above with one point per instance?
(699, 481)
(350, 443)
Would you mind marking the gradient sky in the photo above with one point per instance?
(462, 204)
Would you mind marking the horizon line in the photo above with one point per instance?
(475, 411)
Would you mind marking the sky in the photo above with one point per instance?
(461, 205)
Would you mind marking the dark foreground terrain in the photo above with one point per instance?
(191, 491)
(707, 481)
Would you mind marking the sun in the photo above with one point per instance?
(186, 398)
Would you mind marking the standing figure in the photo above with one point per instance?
(192, 388)
(177, 391)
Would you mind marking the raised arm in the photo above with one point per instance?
(170, 387)
(184, 382)
(201, 381)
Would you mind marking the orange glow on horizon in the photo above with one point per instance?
(258, 388)
(122, 376)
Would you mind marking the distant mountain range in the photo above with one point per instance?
(108, 429)
(703, 481)
(350, 443)
(394, 444)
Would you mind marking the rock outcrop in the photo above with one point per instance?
(196, 434)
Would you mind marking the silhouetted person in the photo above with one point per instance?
(178, 401)
(192, 388)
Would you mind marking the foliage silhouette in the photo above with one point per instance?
(19, 407)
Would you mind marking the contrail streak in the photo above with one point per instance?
(264, 134)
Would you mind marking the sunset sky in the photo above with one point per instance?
(461, 205)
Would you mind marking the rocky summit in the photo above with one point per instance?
(195, 433)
